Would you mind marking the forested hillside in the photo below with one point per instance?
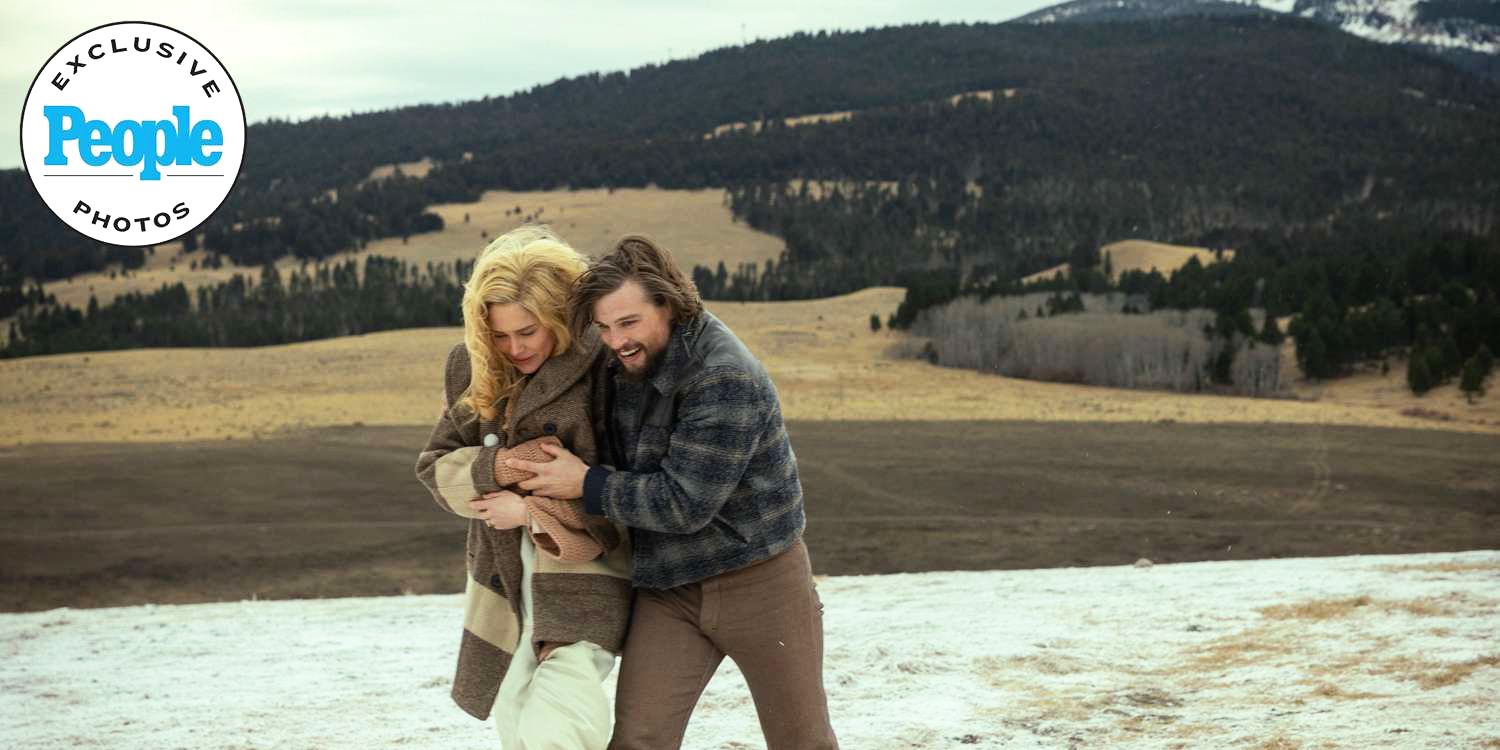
(1194, 122)
(1328, 163)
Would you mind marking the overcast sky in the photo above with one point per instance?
(302, 58)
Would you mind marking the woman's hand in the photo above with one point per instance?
(500, 510)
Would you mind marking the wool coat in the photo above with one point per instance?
(707, 480)
(572, 601)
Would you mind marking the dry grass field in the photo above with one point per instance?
(791, 122)
(418, 168)
(1139, 255)
(826, 363)
(695, 224)
(298, 458)
(825, 117)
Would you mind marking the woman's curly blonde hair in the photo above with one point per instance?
(529, 266)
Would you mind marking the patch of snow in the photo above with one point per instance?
(1280, 6)
(1364, 651)
(1403, 12)
(1395, 21)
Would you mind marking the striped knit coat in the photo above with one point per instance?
(571, 601)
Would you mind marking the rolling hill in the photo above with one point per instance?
(1184, 125)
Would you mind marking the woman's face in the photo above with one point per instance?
(519, 337)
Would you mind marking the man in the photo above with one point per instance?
(708, 486)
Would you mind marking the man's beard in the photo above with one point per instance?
(653, 363)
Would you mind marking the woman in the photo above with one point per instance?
(541, 629)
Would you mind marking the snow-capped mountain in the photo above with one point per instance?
(1465, 31)
(1134, 10)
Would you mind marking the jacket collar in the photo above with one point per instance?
(558, 374)
(679, 353)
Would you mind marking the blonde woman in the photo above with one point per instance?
(548, 591)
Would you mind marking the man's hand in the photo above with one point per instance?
(501, 510)
(560, 479)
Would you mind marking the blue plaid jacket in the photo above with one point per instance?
(707, 480)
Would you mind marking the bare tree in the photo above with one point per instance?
(1164, 350)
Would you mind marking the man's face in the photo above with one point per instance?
(633, 327)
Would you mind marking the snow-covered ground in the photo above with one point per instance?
(1350, 652)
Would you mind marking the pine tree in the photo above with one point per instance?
(1223, 365)
(703, 279)
(1270, 333)
(1418, 377)
(1312, 354)
(875, 322)
(1433, 356)
(1452, 359)
(1472, 382)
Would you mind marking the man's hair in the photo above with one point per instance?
(650, 265)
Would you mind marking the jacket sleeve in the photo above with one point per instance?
(718, 428)
(455, 473)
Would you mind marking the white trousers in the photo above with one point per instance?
(559, 704)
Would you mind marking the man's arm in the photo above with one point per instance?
(718, 427)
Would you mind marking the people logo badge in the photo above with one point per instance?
(133, 133)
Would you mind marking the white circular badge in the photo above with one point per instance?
(133, 133)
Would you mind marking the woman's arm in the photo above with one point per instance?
(455, 473)
(452, 471)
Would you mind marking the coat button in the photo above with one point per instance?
(495, 581)
(549, 428)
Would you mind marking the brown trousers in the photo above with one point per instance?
(766, 617)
